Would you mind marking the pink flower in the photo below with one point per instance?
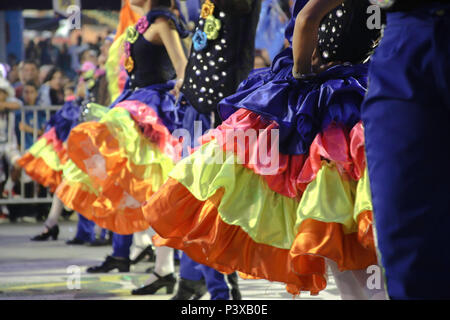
(142, 25)
(127, 49)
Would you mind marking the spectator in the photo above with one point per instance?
(52, 90)
(64, 62)
(31, 51)
(9, 152)
(28, 71)
(45, 49)
(75, 51)
(69, 92)
(13, 76)
(29, 98)
(43, 72)
(88, 56)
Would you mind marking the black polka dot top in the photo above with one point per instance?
(344, 35)
(218, 64)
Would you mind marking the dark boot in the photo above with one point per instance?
(190, 290)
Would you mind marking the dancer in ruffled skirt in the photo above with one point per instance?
(125, 156)
(281, 188)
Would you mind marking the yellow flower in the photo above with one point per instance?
(207, 9)
(129, 64)
(132, 34)
(212, 28)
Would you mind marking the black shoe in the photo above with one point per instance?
(111, 263)
(168, 281)
(147, 252)
(233, 281)
(75, 241)
(50, 232)
(98, 243)
(190, 290)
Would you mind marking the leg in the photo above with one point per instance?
(119, 258)
(216, 284)
(55, 212)
(373, 291)
(85, 231)
(192, 284)
(163, 276)
(142, 246)
(122, 245)
(51, 228)
(349, 287)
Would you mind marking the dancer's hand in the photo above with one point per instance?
(177, 88)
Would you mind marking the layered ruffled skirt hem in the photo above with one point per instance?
(125, 158)
(44, 161)
(279, 187)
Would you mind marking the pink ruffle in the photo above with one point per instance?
(52, 139)
(291, 174)
(153, 128)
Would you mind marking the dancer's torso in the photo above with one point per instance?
(152, 64)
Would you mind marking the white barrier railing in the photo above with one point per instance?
(14, 146)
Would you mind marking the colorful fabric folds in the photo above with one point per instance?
(125, 158)
(222, 211)
(44, 161)
(280, 186)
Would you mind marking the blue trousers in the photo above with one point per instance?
(121, 245)
(85, 229)
(215, 281)
(406, 116)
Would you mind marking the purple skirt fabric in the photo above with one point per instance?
(302, 108)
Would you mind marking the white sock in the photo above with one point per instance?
(164, 263)
(55, 212)
(141, 240)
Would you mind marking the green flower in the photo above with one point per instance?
(132, 35)
(212, 27)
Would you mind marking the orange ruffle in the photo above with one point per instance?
(76, 197)
(40, 172)
(195, 227)
(120, 181)
(103, 209)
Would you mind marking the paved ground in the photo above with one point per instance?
(38, 270)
